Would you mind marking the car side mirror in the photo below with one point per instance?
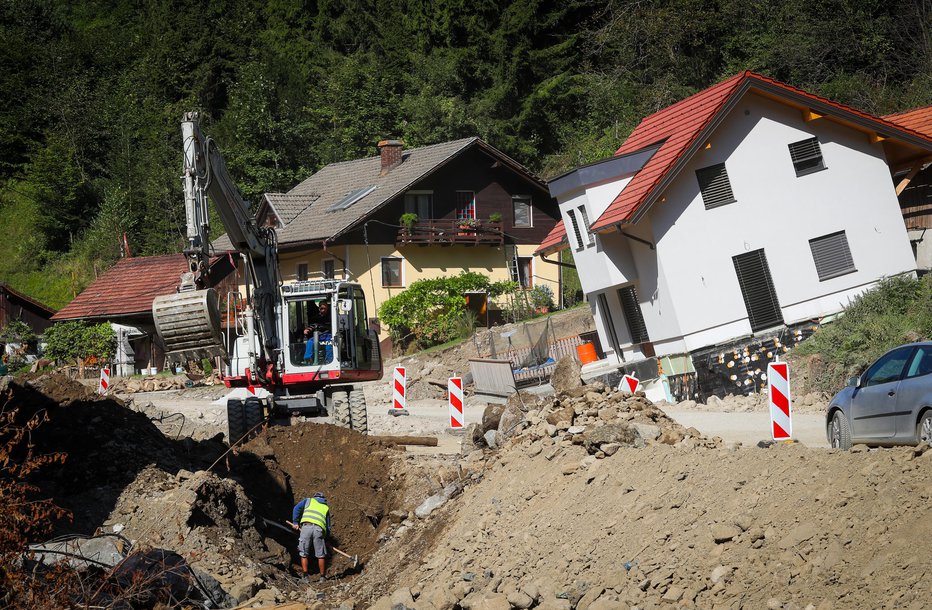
(854, 382)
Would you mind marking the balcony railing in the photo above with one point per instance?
(451, 232)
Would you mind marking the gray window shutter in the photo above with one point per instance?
(579, 242)
(714, 185)
(633, 316)
(585, 218)
(760, 298)
(806, 156)
(832, 255)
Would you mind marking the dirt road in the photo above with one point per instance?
(750, 428)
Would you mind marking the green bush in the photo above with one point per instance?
(898, 310)
(433, 311)
(76, 340)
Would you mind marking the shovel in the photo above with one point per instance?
(353, 558)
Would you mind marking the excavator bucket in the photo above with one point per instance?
(189, 324)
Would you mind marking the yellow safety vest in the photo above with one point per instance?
(315, 513)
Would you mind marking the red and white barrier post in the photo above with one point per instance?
(455, 392)
(104, 384)
(399, 402)
(781, 421)
(629, 383)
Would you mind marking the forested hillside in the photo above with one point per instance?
(91, 93)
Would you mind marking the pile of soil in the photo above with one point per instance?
(287, 463)
(674, 521)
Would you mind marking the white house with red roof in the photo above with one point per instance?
(744, 210)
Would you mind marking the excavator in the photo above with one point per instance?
(271, 335)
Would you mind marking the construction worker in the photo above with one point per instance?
(311, 517)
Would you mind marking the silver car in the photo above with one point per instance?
(889, 404)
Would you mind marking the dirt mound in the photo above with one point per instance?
(287, 463)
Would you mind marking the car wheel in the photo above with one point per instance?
(840, 431)
(924, 429)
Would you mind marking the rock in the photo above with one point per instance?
(610, 449)
(511, 417)
(520, 600)
(491, 439)
(723, 533)
(491, 417)
(589, 598)
(402, 596)
(648, 432)
(744, 522)
(472, 439)
(672, 595)
(797, 535)
(719, 573)
(481, 600)
(672, 436)
(575, 429)
(774, 604)
(619, 433)
(565, 414)
(859, 449)
(570, 468)
(439, 597)
(566, 375)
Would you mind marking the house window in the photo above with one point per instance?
(806, 156)
(523, 271)
(760, 298)
(301, 273)
(522, 209)
(465, 205)
(631, 307)
(832, 255)
(327, 269)
(579, 241)
(419, 203)
(391, 272)
(608, 323)
(585, 220)
(715, 187)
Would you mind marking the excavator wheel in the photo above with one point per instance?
(341, 409)
(252, 408)
(236, 420)
(358, 415)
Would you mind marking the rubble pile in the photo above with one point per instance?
(595, 499)
(157, 383)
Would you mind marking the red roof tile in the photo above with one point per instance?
(917, 119)
(680, 125)
(127, 288)
(555, 240)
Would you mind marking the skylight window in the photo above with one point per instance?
(351, 197)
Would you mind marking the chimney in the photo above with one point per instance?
(390, 151)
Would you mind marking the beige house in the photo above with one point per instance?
(468, 207)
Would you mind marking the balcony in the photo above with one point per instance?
(451, 233)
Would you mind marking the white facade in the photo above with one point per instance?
(688, 289)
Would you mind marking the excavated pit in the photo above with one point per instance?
(287, 463)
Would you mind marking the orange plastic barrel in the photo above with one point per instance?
(586, 352)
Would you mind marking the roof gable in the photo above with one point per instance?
(917, 119)
(683, 126)
(37, 307)
(128, 288)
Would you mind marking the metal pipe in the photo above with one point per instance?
(544, 258)
(638, 239)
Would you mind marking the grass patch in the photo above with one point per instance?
(897, 311)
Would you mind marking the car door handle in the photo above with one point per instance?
(891, 393)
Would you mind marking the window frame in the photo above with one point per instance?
(851, 268)
(745, 285)
(323, 268)
(634, 319)
(530, 212)
(806, 170)
(877, 366)
(530, 272)
(297, 272)
(415, 193)
(590, 238)
(579, 243)
(401, 271)
(702, 191)
(469, 211)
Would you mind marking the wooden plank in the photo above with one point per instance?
(420, 441)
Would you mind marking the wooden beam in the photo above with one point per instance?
(811, 115)
(875, 137)
(906, 180)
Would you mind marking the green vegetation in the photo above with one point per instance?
(898, 311)
(80, 341)
(93, 93)
(433, 311)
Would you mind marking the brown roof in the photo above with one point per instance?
(26, 299)
(127, 288)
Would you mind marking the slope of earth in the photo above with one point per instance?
(552, 524)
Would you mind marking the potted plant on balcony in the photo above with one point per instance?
(495, 217)
(467, 224)
(408, 220)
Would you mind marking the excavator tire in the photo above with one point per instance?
(236, 420)
(358, 415)
(341, 409)
(252, 409)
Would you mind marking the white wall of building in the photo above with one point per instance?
(689, 292)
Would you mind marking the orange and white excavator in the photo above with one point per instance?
(276, 337)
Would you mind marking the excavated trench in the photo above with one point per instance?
(284, 464)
